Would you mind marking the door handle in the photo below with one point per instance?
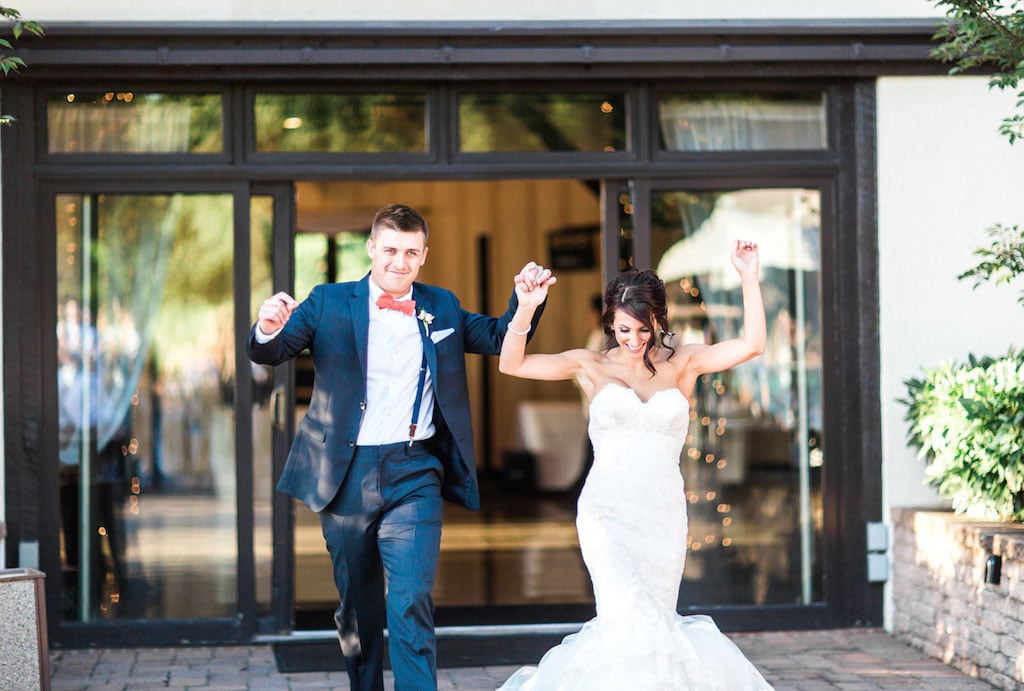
(277, 406)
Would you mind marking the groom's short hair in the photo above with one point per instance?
(399, 217)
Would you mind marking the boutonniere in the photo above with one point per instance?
(427, 318)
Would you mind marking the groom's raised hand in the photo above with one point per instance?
(275, 311)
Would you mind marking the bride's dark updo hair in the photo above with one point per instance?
(641, 295)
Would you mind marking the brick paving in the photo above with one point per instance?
(854, 659)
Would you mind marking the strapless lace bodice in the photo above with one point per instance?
(619, 419)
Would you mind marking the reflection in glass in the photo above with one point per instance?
(261, 286)
(753, 455)
(742, 122)
(625, 225)
(542, 122)
(145, 376)
(370, 123)
(134, 123)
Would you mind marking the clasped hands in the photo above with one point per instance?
(532, 283)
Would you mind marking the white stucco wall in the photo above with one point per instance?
(944, 176)
(3, 450)
(466, 10)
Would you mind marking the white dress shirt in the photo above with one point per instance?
(393, 358)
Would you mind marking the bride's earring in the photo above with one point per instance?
(666, 338)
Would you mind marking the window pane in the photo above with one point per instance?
(261, 286)
(753, 456)
(542, 122)
(740, 122)
(328, 258)
(352, 123)
(134, 123)
(145, 392)
(625, 231)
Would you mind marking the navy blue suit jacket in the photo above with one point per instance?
(333, 322)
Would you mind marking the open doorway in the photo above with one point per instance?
(517, 559)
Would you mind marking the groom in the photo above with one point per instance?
(387, 435)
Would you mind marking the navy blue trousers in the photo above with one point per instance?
(383, 531)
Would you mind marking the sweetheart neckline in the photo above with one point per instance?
(632, 391)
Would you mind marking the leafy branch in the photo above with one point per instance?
(1002, 259)
(988, 34)
(12, 63)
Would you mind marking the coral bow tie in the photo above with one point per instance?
(386, 302)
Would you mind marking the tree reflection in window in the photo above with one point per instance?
(542, 122)
(341, 123)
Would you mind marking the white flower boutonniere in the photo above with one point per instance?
(427, 318)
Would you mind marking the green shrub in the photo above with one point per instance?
(967, 420)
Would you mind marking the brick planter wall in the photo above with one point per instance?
(942, 603)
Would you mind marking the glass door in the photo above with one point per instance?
(145, 377)
(328, 248)
(755, 451)
(165, 490)
(271, 227)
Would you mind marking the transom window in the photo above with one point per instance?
(132, 122)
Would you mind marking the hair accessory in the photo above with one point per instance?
(624, 292)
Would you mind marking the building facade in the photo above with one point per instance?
(164, 177)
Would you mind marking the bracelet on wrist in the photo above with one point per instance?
(519, 333)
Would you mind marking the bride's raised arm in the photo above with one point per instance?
(515, 361)
(721, 356)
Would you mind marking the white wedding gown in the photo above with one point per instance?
(631, 522)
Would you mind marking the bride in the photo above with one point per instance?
(631, 515)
